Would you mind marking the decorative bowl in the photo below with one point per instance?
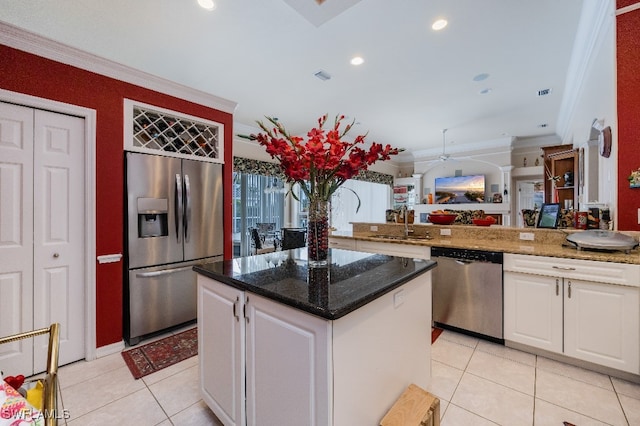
(442, 219)
(486, 221)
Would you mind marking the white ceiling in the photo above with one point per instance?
(414, 82)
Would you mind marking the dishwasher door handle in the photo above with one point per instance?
(463, 262)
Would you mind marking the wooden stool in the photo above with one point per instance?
(415, 407)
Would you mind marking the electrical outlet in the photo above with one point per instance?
(398, 298)
(527, 236)
(445, 231)
(374, 227)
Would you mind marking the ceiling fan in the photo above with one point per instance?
(444, 157)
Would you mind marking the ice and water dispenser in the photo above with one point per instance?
(153, 217)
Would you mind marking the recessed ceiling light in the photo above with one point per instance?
(481, 77)
(439, 24)
(207, 4)
(486, 91)
(357, 60)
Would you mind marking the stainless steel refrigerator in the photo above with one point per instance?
(174, 221)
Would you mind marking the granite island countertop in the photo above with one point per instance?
(551, 243)
(352, 280)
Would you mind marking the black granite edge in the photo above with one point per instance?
(381, 292)
(329, 314)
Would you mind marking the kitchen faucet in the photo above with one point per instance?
(404, 213)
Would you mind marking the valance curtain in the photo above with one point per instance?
(265, 168)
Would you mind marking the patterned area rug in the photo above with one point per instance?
(154, 356)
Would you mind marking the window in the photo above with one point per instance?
(375, 199)
(256, 199)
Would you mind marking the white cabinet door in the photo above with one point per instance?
(602, 324)
(221, 347)
(533, 310)
(288, 370)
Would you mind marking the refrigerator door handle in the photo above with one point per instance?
(187, 209)
(178, 207)
(163, 272)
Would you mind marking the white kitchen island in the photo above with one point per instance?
(281, 344)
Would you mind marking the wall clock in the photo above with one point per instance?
(604, 142)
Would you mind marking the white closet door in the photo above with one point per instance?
(42, 244)
(16, 235)
(58, 237)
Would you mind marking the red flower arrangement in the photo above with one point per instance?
(322, 164)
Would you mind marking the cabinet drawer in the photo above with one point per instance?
(392, 249)
(342, 243)
(588, 270)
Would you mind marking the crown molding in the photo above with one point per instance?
(595, 20)
(29, 42)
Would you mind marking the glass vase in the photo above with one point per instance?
(318, 233)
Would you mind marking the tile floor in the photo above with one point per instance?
(478, 383)
(482, 383)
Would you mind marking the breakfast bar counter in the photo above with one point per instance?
(282, 343)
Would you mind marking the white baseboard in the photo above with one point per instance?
(109, 349)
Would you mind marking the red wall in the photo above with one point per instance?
(37, 76)
(628, 58)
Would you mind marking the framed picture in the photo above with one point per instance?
(548, 217)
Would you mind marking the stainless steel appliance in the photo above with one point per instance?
(467, 291)
(174, 220)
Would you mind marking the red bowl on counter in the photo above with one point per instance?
(442, 219)
(487, 221)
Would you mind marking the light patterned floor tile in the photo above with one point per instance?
(450, 353)
(627, 388)
(177, 392)
(459, 338)
(196, 415)
(577, 373)
(444, 380)
(631, 407)
(549, 414)
(520, 377)
(139, 408)
(444, 405)
(494, 402)
(78, 372)
(457, 416)
(94, 393)
(592, 401)
(170, 371)
(508, 353)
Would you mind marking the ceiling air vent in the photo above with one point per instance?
(544, 92)
(322, 75)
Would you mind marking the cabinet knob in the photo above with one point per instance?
(56, 255)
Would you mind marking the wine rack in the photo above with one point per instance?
(158, 130)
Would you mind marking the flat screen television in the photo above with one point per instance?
(460, 189)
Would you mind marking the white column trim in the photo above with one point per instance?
(595, 20)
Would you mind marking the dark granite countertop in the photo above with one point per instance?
(352, 280)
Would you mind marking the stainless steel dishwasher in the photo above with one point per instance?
(467, 291)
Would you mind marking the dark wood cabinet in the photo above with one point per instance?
(561, 174)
